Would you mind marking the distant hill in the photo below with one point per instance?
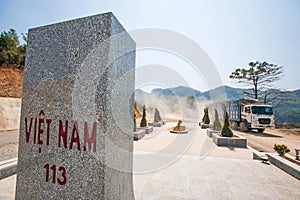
(181, 91)
(139, 92)
(296, 93)
(287, 111)
(177, 91)
(231, 93)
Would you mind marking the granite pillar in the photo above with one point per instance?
(77, 111)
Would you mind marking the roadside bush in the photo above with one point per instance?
(205, 118)
(217, 125)
(281, 149)
(144, 121)
(226, 131)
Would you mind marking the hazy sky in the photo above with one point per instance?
(232, 32)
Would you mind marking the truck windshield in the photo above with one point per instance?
(262, 110)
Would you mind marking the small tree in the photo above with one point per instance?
(217, 125)
(157, 117)
(281, 149)
(226, 131)
(190, 100)
(144, 121)
(179, 123)
(205, 118)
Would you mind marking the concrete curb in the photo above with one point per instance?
(156, 124)
(148, 129)
(257, 155)
(240, 142)
(8, 168)
(285, 165)
(138, 135)
(209, 132)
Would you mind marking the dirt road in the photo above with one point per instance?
(265, 141)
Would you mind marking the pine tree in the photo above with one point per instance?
(157, 117)
(226, 131)
(144, 121)
(217, 125)
(205, 118)
(259, 75)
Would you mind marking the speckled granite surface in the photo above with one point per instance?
(76, 130)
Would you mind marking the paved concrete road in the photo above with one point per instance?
(195, 142)
(202, 171)
(7, 188)
(192, 177)
(9, 141)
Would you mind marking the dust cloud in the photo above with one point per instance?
(173, 108)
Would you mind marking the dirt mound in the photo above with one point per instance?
(11, 81)
(10, 110)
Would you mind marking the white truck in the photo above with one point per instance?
(250, 114)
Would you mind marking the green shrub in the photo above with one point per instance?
(144, 121)
(281, 149)
(179, 123)
(205, 118)
(226, 131)
(217, 125)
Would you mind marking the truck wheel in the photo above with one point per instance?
(243, 127)
(234, 125)
(260, 130)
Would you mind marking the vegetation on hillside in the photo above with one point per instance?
(11, 51)
(288, 111)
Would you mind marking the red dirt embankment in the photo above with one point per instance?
(11, 81)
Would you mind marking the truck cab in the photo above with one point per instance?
(257, 117)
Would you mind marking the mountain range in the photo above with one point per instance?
(286, 108)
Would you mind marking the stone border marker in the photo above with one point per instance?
(75, 132)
